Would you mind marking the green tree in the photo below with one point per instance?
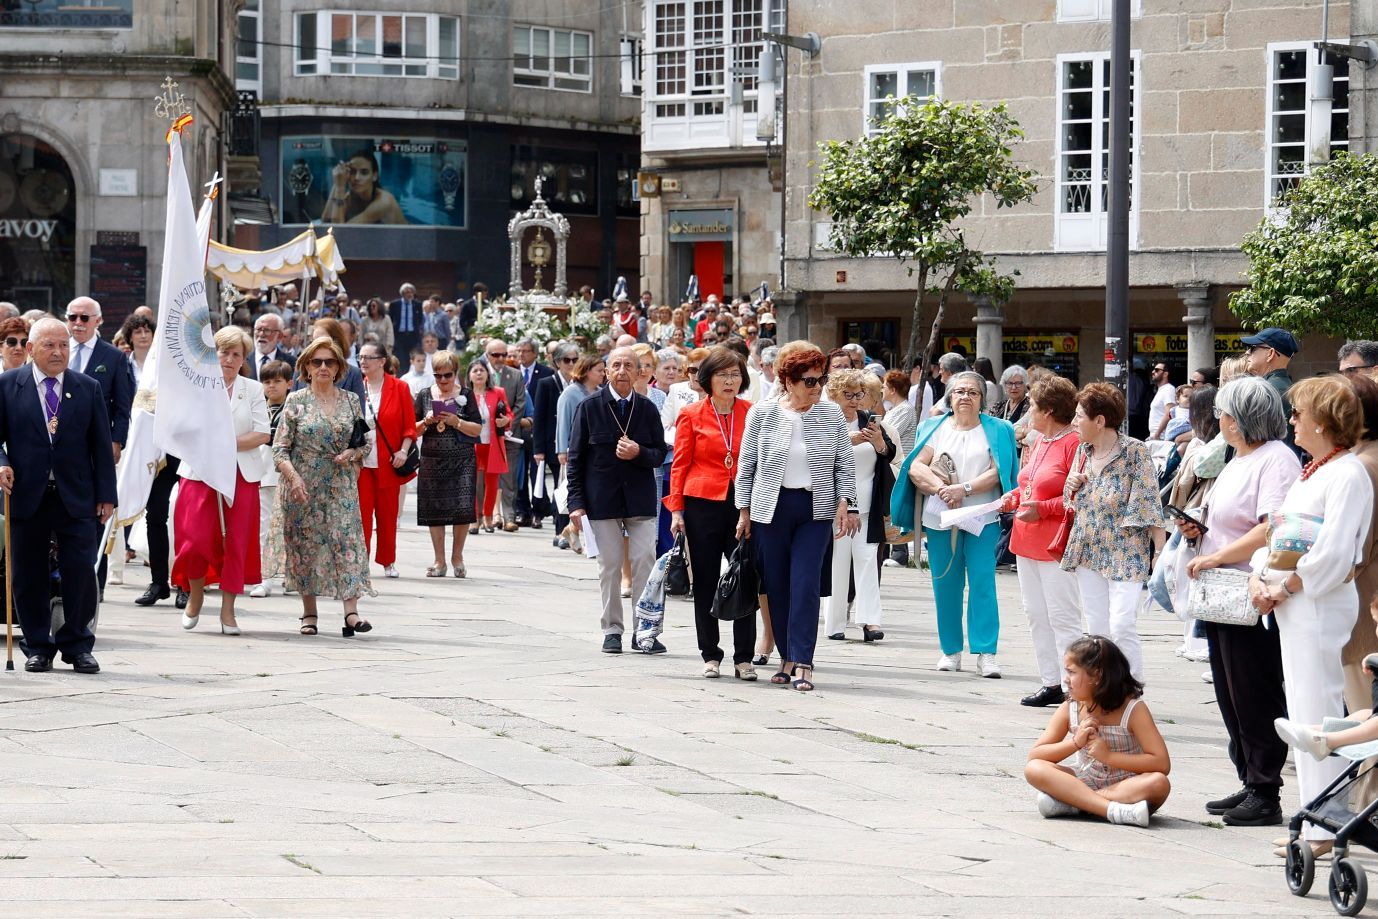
(904, 191)
(1313, 265)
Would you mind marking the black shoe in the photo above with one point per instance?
(1048, 695)
(82, 661)
(656, 647)
(154, 593)
(182, 598)
(612, 644)
(562, 543)
(1255, 810)
(837, 636)
(536, 524)
(870, 634)
(761, 660)
(38, 663)
(1224, 804)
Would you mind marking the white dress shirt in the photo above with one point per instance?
(81, 354)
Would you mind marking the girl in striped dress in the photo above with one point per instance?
(1119, 761)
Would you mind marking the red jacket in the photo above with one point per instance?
(699, 469)
(494, 461)
(396, 421)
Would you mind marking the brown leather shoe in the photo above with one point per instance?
(510, 527)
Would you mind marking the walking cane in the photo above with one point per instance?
(9, 592)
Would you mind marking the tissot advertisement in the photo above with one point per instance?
(364, 180)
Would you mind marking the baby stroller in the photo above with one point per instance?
(1348, 883)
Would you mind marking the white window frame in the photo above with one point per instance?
(1093, 10)
(551, 78)
(631, 59)
(1088, 231)
(326, 62)
(257, 59)
(1270, 175)
(902, 73)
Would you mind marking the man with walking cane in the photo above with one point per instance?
(58, 470)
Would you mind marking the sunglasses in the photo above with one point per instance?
(16, 342)
(812, 382)
(444, 376)
(79, 317)
(501, 354)
(569, 360)
(323, 362)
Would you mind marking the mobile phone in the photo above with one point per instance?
(1184, 517)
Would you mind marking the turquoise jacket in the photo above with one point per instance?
(1003, 445)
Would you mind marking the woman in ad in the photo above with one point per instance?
(356, 196)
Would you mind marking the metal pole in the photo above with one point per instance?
(1117, 343)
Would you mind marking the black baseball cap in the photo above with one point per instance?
(1280, 340)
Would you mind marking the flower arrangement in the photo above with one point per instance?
(513, 320)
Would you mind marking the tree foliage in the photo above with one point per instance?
(1313, 267)
(904, 191)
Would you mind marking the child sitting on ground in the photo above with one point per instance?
(1319, 743)
(1121, 762)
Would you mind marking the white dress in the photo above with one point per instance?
(1314, 626)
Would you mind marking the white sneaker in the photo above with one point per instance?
(260, 591)
(1049, 806)
(391, 571)
(1207, 677)
(1197, 657)
(1128, 814)
(890, 563)
(1303, 737)
(115, 578)
(987, 667)
(950, 662)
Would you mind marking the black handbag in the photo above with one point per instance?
(413, 461)
(738, 587)
(358, 436)
(677, 571)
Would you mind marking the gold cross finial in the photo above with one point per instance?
(171, 105)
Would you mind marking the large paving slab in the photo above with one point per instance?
(476, 755)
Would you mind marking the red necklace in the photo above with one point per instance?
(1310, 468)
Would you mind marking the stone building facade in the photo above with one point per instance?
(1220, 126)
(83, 161)
(460, 107)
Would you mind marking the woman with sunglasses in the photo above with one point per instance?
(448, 420)
(961, 457)
(796, 487)
(392, 427)
(14, 336)
(323, 533)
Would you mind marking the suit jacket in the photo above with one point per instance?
(547, 397)
(511, 382)
(468, 315)
(109, 366)
(539, 372)
(602, 485)
(278, 355)
(79, 457)
(417, 320)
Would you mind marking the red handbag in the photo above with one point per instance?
(1064, 532)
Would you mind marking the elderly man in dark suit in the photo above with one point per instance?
(616, 444)
(59, 467)
(547, 397)
(268, 331)
(407, 321)
(495, 355)
(530, 509)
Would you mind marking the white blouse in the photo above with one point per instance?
(970, 451)
(865, 453)
(797, 473)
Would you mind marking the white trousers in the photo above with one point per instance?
(1052, 603)
(1313, 634)
(1112, 608)
(641, 538)
(852, 554)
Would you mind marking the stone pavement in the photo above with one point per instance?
(475, 755)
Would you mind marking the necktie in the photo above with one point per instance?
(80, 362)
(526, 376)
(51, 403)
(622, 410)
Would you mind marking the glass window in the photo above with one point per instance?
(306, 43)
(552, 58)
(1083, 136)
(884, 82)
(570, 178)
(1293, 128)
(1092, 10)
(248, 56)
(379, 45)
(65, 14)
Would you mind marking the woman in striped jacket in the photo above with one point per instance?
(796, 482)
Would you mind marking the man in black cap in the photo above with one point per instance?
(1268, 354)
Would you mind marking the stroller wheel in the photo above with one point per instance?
(1300, 867)
(1348, 887)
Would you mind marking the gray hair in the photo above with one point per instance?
(853, 348)
(527, 342)
(602, 340)
(664, 355)
(768, 355)
(975, 379)
(952, 362)
(8, 310)
(1367, 351)
(1255, 406)
(1012, 371)
(565, 349)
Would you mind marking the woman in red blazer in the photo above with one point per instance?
(393, 422)
(491, 450)
(708, 439)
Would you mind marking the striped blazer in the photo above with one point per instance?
(765, 449)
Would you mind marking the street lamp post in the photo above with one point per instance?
(1117, 344)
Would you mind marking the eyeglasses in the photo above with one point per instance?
(370, 357)
(16, 342)
(445, 376)
(79, 317)
(319, 362)
(1356, 369)
(849, 395)
(965, 394)
(728, 377)
(812, 382)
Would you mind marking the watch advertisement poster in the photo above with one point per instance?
(328, 181)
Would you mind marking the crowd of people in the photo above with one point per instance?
(825, 466)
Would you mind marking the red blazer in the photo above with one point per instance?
(699, 470)
(495, 460)
(396, 421)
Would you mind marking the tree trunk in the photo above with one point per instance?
(942, 311)
(913, 348)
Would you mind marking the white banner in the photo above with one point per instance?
(193, 418)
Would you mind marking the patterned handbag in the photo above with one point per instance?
(1290, 536)
(1221, 595)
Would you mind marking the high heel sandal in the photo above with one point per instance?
(308, 628)
(360, 625)
(802, 683)
(436, 571)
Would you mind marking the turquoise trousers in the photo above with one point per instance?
(965, 576)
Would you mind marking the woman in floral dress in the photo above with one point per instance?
(322, 531)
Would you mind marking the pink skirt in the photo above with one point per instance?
(232, 561)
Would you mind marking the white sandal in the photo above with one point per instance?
(710, 670)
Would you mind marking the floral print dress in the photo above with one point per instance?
(1115, 513)
(323, 537)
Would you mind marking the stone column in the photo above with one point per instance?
(990, 332)
(791, 316)
(1200, 325)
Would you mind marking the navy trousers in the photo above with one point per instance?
(791, 549)
(76, 562)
